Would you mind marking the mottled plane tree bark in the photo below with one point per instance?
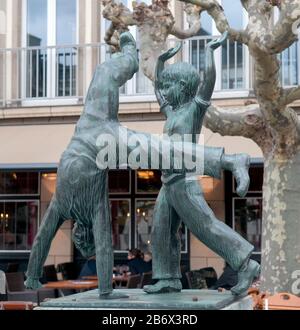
(270, 122)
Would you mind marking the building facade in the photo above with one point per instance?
(48, 52)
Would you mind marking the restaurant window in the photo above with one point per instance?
(18, 224)
(248, 219)
(144, 222)
(148, 181)
(19, 209)
(144, 219)
(256, 180)
(119, 181)
(19, 183)
(244, 215)
(121, 224)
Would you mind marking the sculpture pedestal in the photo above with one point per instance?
(138, 299)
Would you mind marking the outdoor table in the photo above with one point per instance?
(117, 279)
(17, 305)
(79, 285)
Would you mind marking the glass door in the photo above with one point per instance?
(36, 51)
(51, 54)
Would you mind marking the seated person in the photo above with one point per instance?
(148, 256)
(89, 268)
(136, 263)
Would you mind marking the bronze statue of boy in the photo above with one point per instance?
(181, 198)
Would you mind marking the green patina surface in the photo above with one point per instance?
(137, 299)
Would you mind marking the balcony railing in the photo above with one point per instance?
(63, 73)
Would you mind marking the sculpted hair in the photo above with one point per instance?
(183, 71)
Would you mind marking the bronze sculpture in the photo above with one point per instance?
(180, 199)
(82, 191)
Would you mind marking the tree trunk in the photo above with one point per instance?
(281, 225)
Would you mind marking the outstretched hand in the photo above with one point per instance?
(216, 43)
(170, 53)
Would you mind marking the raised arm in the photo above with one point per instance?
(160, 65)
(206, 90)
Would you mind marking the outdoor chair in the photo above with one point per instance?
(12, 267)
(133, 281)
(16, 290)
(68, 270)
(50, 273)
(195, 280)
(146, 279)
(203, 278)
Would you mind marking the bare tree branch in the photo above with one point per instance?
(244, 121)
(193, 18)
(270, 96)
(184, 34)
(121, 17)
(291, 94)
(234, 121)
(261, 30)
(216, 11)
(112, 38)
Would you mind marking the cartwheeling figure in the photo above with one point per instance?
(82, 188)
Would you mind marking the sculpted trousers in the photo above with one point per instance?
(184, 201)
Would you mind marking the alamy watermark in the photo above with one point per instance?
(128, 149)
(296, 284)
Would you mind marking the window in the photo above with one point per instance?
(289, 65)
(139, 84)
(144, 218)
(19, 209)
(36, 37)
(248, 219)
(143, 85)
(206, 25)
(256, 180)
(148, 181)
(18, 224)
(121, 224)
(119, 181)
(289, 58)
(234, 12)
(231, 58)
(197, 51)
(51, 71)
(233, 52)
(245, 214)
(19, 183)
